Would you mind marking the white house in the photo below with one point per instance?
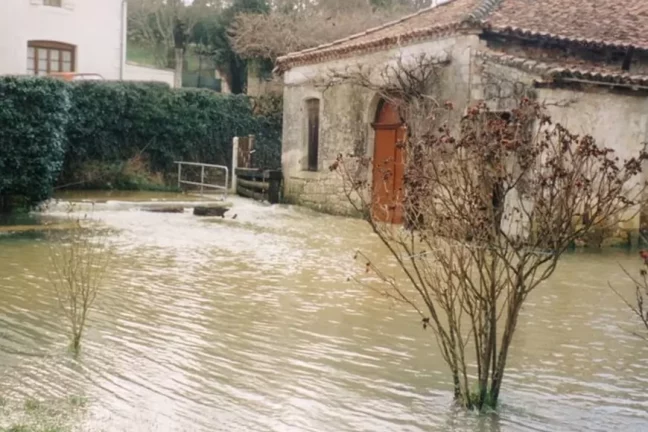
(42, 36)
(38, 37)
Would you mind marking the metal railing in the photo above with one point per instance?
(202, 183)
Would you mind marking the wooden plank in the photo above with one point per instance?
(212, 210)
(250, 193)
(244, 152)
(248, 171)
(254, 184)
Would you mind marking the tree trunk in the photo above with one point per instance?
(179, 61)
(225, 78)
(507, 338)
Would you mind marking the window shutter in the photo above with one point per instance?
(69, 4)
(37, 2)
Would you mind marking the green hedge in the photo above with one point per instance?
(112, 122)
(99, 126)
(33, 119)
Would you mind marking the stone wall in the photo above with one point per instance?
(260, 85)
(617, 119)
(346, 114)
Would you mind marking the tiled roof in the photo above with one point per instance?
(445, 18)
(613, 23)
(616, 23)
(557, 71)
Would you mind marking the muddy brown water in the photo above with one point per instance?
(249, 324)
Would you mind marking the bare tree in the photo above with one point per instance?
(302, 26)
(490, 202)
(639, 306)
(79, 260)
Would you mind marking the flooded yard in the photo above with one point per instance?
(250, 324)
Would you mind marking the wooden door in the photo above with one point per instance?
(388, 166)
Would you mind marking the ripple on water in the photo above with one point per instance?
(250, 325)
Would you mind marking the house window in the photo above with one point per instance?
(312, 107)
(47, 57)
(55, 3)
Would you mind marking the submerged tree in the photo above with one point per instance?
(79, 259)
(639, 306)
(490, 202)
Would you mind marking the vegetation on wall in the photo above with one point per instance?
(118, 135)
(268, 111)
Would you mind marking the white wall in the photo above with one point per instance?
(135, 72)
(95, 27)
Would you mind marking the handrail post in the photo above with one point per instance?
(225, 188)
(226, 181)
(202, 179)
(235, 154)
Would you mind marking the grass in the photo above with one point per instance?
(130, 175)
(33, 428)
(143, 55)
(33, 415)
(140, 54)
(16, 229)
(78, 401)
(32, 405)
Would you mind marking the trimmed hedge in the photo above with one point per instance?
(103, 125)
(112, 122)
(33, 117)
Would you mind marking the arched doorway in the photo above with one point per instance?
(388, 165)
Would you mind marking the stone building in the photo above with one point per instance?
(592, 53)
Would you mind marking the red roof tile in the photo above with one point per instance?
(557, 71)
(620, 23)
(426, 23)
(614, 23)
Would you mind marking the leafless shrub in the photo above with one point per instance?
(639, 306)
(275, 34)
(79, 260)
(490, 203)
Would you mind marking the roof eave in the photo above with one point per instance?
(289, 61)
(553, 72)
(585, 42)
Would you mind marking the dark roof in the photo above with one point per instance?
(611, 23)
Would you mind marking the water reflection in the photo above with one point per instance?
(250, 325)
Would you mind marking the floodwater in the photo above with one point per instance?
(249, 324)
